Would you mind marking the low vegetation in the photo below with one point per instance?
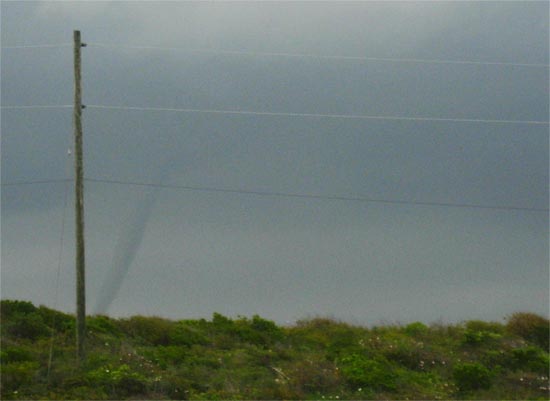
(253, 358)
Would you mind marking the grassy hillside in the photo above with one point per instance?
(253, 358)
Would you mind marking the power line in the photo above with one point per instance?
(311, 196)
(286, 54)
(319, 115)
(43, 46)
(319, 56)
(59, 262)
(286, 114)
(38, 106)
(20, 183)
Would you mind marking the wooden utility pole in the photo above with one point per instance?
(79, 204)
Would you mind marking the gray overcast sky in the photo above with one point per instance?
(191, 253)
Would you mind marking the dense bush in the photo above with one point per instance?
(416, 329)
(256, 331)
(253, 358)
(165, 356)
(17, 374)
(183, 333)
(480, 337)
(489, 327)
(149, 330)
(268, 330)
(532, 327)
(406, 354)
(471, 376)
(61, 322)
(531, 359)
(29, 326)
(359, 370)
(119, 381)
(15, 354)
(310, 376)
(9, 308)
(103, 324)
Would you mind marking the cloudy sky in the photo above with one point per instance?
(424, 253)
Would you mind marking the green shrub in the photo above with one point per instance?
(496, 359)
(174, 385)
(10, 308)
(61, 322)
(152, 330)
(530, 358)
(184, 334)
(531, 327)
(480, 337)
(17, 374)
(21, 319)
(103, 324)
(313, 375)
(421, 386)
(270, 332)
(325, 333)
(471, 376)
(120, 381)
(29, 326)
(405, 354)
(165, 356)
(480, 325)
(358, 370)
(15, 354)
(221, 322)
(257, 331)
(415, 329)
(342, 341)
(224, 331)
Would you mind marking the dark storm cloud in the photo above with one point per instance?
(200, 252)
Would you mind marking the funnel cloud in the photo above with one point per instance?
(127, 245)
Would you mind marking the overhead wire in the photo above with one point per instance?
(39, 46)
(289, 114)
(318, 115)
(285, 114)
(37, 106)
(318, 56)
(311, 196)
(284, 54)
(20, 183)
(59, 258)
